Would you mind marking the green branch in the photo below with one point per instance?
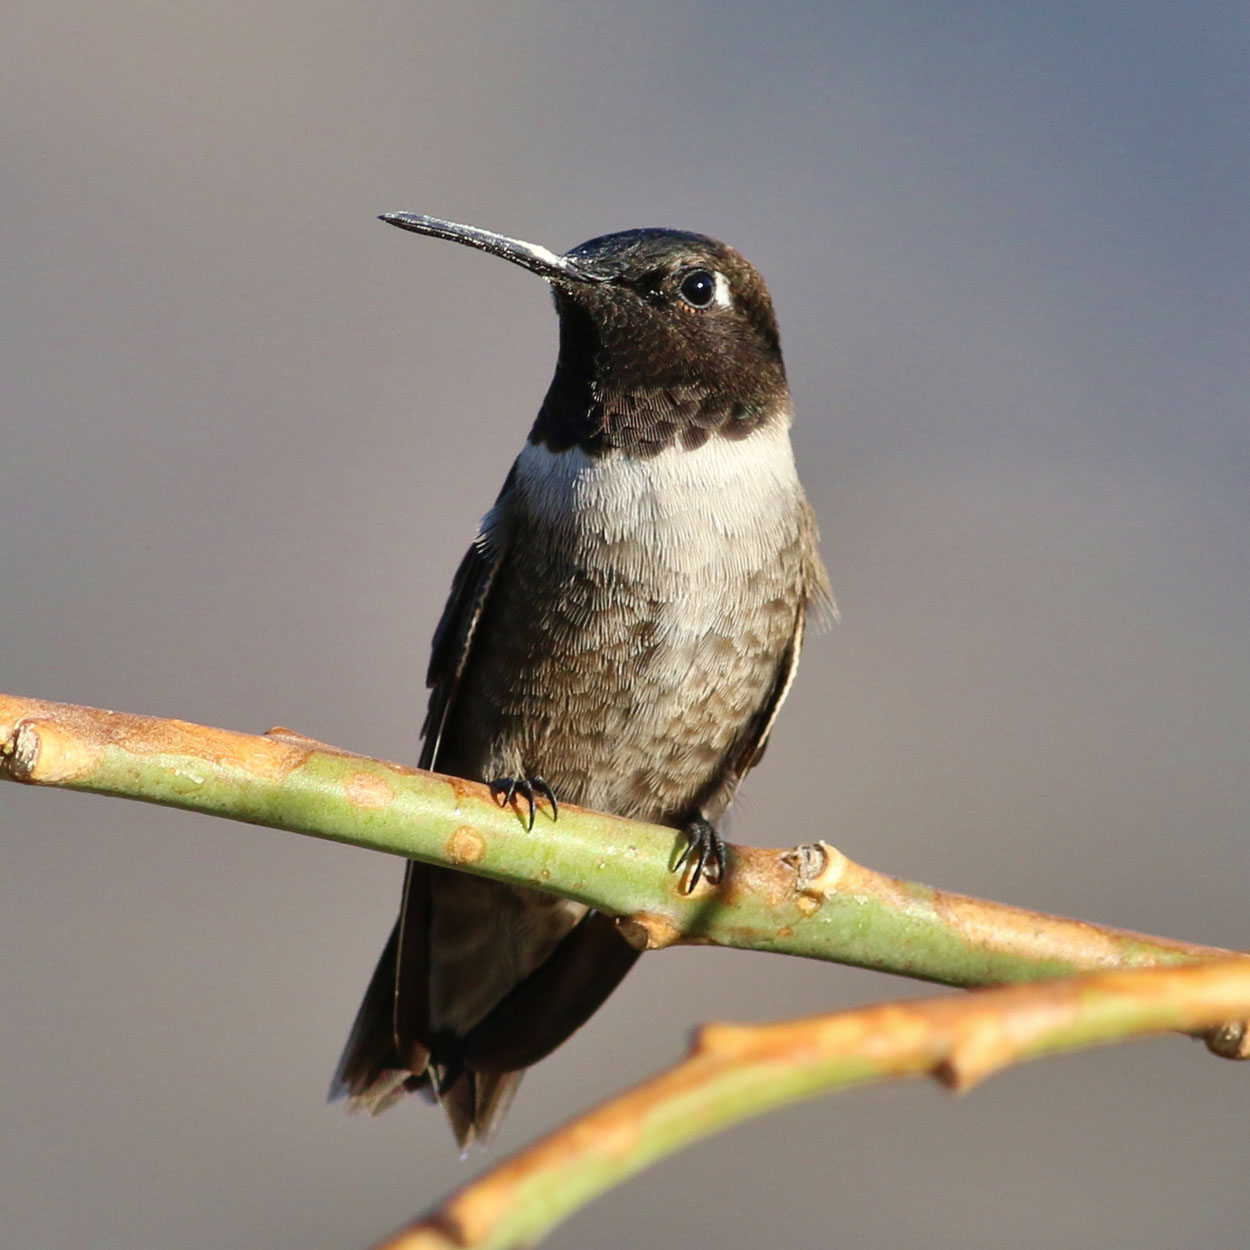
(810, 900)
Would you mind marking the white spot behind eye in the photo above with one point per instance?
(720, 291)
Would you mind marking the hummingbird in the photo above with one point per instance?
(620, 635)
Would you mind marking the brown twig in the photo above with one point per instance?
(810, 900)
(733, 1072)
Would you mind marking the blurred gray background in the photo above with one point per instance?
(247, 432)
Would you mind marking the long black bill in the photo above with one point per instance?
(528, 255)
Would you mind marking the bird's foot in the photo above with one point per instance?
(505, 789)
(705, 853)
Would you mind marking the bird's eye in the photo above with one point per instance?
(698, 288)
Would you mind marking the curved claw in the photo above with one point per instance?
(541, 787)
(704, 851)
(505, 789)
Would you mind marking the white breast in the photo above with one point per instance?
(703, 519)
(729, 489)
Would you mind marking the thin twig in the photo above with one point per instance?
(810, 900)
(734, 1072)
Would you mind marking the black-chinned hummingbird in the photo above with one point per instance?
(620, 635)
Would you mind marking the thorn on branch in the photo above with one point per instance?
(1230, 1041)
